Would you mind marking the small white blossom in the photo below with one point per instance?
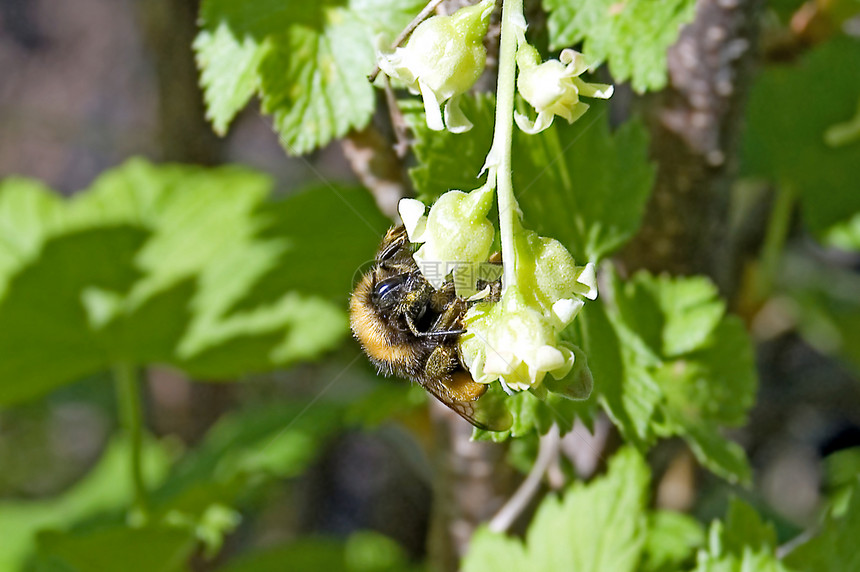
(554, 88)
(516, 341)
(455, 236)
(442, 60)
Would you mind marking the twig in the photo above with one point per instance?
(423, 15)
(547, 453)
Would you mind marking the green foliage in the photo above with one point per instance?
(115, 547)
(816, 94)
(632, 36)
(561, 538)
(742, 543)
(308, 62)
(580, 183)
(362, 552)
(106, 489)
(667, 361)
(672, 539)
(825, 306)
(176, 265)
(835, 547)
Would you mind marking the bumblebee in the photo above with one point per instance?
(410, 329)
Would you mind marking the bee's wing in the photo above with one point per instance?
(460, 393)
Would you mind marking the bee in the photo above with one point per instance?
(410, 329)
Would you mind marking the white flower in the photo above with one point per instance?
(553, 88)
(442, 60)
(456, 236)
(516, 341)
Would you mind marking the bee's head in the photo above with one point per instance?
(387, 292)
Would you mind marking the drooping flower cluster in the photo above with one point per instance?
(517, 340)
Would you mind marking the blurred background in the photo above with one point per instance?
(86, 84)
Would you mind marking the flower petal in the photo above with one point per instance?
(412, 214)
(455, 119)
(431, 107)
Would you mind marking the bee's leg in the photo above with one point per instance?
(440, 366)
(446, 324)
(442, 361)
(440, 299)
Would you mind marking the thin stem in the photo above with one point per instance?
(547, 453)
(774, 240)
(131, 418)
(512, 17)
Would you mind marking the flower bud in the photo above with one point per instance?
(456, 235)
(553, 88)
(442, 60)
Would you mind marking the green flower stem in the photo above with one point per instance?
(509, 211)
(774, 240)
(131, 418)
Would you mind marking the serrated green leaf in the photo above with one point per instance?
(835, 548)
(176, 265)
(632, 36)
(672, 540)
(743, 543)
(580, 183)
(595, 527)
(308, 62)
(687, 368)
(817, 93)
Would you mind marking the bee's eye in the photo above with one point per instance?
(385, 293)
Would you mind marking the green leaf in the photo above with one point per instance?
(362, 552)
(580, 183)
(308, 62)
(115, 548)
(243, 452)
(817, 94)
(826, 307)
(632, 36)
(106, 488)
(595, 527)
(743, 543)
(672, 540)
(835, 548)
(176, 265)
(686, 368)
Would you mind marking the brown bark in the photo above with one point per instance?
(472, 481)
(694, 127)
(183, 132)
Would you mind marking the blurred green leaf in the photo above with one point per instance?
(105, 489)
(744, 542)
(672, 540)
(308, 62)
(580, 183)
(114, 548)
(244, 452)
(816, 94)
(596, 527)
(632, 36)
(834, 548)
(177, 265)
(825, 306)
(362, 552)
